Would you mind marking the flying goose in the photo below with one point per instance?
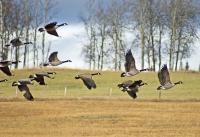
(164, 78)
(17, 42)
(39, 77)
(54, 61)
(130, 67)
(4, 66)
(51, 28)
(87, 79)
(22, 86)
(131, 87)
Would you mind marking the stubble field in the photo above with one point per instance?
(105, 111)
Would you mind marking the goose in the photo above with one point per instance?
(131, 87)
(51, 28)
(130, 67)
(54, 61)
(17, 42)
(87, 79)
(22, 86)
(164, 79)
(39, 77)
(4, 66)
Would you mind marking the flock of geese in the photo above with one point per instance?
(131, 87)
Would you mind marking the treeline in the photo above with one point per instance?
(21, 19)
(161, 30)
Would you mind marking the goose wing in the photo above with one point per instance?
(163, 75)
(53, 32)
(40, 79)
(6, 70)
(27, 93)
(53, 57)
(125, 83)
(129, 61)
(50, 25)
(50, 28)
(132, 93)
(88, 82)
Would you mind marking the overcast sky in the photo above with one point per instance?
(70, 44)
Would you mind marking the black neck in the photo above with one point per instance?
(144, 70)
(66, 61)
(28, 43)
(179, 82)
(95, 74)
(63, 24)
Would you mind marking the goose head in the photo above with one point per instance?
(77, 77)
(41, 29)
(123, 74)
(15, 83)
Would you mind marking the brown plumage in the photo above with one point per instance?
(22, 86)
(51, 28)
(87, 80)
(4, 66)
(164, 79)
(17, 42)
(131, 87)
(130, 68)
(39, 77)
(54, 61)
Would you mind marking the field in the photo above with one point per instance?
(105, 111)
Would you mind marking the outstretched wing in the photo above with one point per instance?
(27, 93)
(40, 79)
(53, 57)
(130, 62)
(53, 32)
(50, 25)
(132, 94)
(50, 28)
(163, 75)
(6, 70)
(89, 83)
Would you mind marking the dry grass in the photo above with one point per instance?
(100, 118)
(94, 113)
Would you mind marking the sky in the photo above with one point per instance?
(69, 45)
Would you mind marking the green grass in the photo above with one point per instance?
(105, 82)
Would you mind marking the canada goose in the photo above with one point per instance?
(22, 86)
(130, 67)
(164, 79)
(51, 28)
(17, 42)
(131, 87)
(39, 77)
(54, 61)
(87, 80)
(4, 66)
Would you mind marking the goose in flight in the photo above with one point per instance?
(87, 79)
(131, 87)
(22, 86)
(164, 79)
(39, 77)
(4, 66)
(130, 68)
(17, 42)
(51, 28)
(54, 61)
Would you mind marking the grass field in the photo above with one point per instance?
(105, 111)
